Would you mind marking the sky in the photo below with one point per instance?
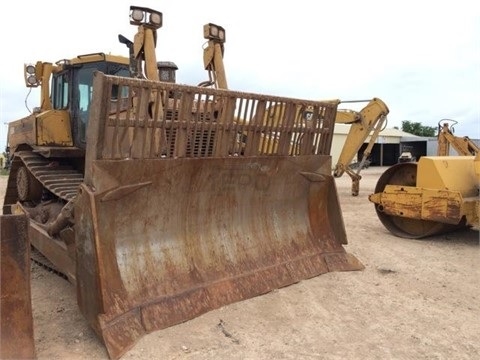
(421, 58)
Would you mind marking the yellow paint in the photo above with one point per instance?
(53, 128)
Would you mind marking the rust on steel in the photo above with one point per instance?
(390, 208)
(17, 340)
(195, 198)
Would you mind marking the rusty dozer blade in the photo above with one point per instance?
(174, 239)
(161, 240)
(17, 341)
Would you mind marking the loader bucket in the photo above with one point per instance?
(163, 240)
(17, 341)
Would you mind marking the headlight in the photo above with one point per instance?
(214, 32)
(137, 15)
(32, 80)
(30, 69)
(156, 19)
(221, 35)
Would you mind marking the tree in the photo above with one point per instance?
(417, 128)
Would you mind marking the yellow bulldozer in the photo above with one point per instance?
(161, 201)
(438, 194)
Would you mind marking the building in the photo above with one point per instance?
(385, 151)
(388, 146)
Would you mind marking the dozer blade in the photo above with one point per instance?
(174, 239)
(17, 341)
(221, 196)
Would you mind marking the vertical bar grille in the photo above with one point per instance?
(165, 120)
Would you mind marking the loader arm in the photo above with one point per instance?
(369, 121)
(463, 145)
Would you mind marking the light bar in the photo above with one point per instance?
(31, 79)
(146, 17)
(214, 32)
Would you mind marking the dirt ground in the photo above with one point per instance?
(415, 299)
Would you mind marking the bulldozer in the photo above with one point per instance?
(161, 201)
(436, 195)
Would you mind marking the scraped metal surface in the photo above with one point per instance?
(203, 234)
(405, 174)
(195, 198)
(17, 341)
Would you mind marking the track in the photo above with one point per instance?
(38, 258)
(60, 179)
(54, 175)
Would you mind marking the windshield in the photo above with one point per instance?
(85, 89)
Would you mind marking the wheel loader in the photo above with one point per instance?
(161, 201)
(437, 194)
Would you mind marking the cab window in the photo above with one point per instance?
(60, 90)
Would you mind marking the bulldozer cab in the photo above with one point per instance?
(72, 89)
(66, 94)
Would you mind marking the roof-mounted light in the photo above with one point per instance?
(146, 17)
(214, 32)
